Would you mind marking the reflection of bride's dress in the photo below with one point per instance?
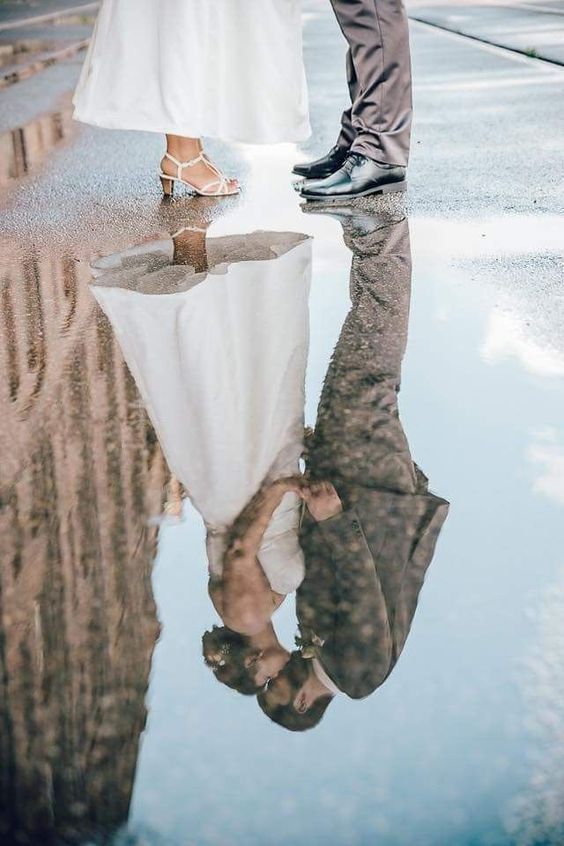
(220, 364)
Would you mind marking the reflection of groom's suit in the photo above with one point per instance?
(378, 124)
(366, 566)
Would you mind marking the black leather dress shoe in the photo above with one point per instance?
(324, 166)
(358, 177)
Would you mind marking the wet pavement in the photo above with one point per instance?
(535, 29)
(160, 362)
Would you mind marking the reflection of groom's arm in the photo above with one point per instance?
(415, 571)
(357, 654)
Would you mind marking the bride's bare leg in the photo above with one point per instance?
(186, 149)
(190, 248)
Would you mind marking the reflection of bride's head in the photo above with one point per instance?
(232, 658)
(246, 663)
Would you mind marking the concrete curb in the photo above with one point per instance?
(491, 43)
(41, 64)
(52, 17)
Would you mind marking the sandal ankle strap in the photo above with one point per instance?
(180, 165)
(188, 229)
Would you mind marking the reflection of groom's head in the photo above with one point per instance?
(293, 699)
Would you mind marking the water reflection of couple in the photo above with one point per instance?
(219, 354)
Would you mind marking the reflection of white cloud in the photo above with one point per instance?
(499, 237)
(506, 337)
(547, 453)
(536, 815)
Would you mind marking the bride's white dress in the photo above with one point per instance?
(232, 69)
(220, 363)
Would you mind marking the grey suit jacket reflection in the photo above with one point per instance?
(366, 566)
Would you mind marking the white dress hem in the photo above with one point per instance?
(231, 69)
(122, 123)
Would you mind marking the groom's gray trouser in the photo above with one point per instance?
(378, 124)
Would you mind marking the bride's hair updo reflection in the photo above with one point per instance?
(229, 655)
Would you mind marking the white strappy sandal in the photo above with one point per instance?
(216, 188)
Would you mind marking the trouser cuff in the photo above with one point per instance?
(380, 148)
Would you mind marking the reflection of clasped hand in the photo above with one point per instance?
(322, 500)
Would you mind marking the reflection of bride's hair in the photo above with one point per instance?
(224, 653)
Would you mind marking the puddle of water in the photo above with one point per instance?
(23, 150)
(145, 400)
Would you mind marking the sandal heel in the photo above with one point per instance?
(168, 186)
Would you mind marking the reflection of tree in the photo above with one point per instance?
(25, 148)
(80, 478)
(537, 815)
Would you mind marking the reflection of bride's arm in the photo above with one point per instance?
(253, 521)
(244, 598)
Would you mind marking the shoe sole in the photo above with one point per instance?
(391, 188)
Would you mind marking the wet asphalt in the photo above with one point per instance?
(534, 29)
(486, 136)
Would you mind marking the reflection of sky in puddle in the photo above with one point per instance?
(440, 753)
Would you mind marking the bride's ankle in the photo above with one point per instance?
(183, 149)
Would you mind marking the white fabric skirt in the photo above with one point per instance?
(231, 69)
